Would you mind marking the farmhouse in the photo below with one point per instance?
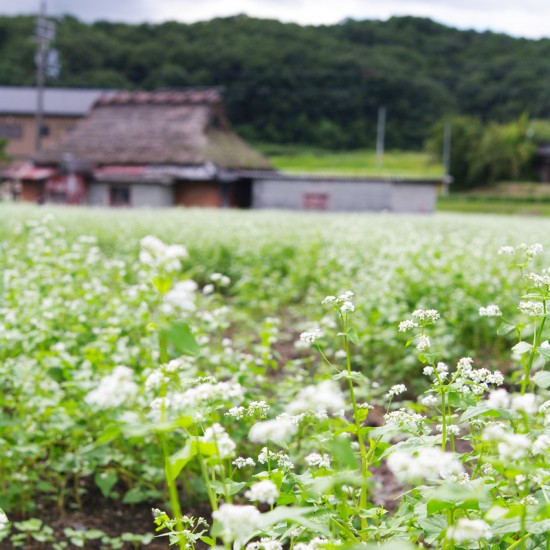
(153, 149)
(63, 108)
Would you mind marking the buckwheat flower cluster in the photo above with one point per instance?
(263, 491)
(428, 464)
(236, 521)
(396, 390)
(404, 419)
(326, 396)
(539, 281)
(114, 389)
(197, 396)
(541, 445)
(406, 325)
(426, 315)
(282, 459)
(506, 250)
(222, 280)
(276, 430)
(155, 380)
(311, 336)
(157, 254)
(316, 459)
(342, 302)
(514, 447)
(477, 381)
(526, 403)
(216, 434)
(469, 530)
(491, 310)
(265, 544)
(499, 399)
(241, 462)
(4, 521)
(423, 343)
(533, 309)
(180, 298)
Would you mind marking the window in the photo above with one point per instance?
(315, 201)
(119, 195)
(12, 130)
(44, 131)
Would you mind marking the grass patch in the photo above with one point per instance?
(361, 162)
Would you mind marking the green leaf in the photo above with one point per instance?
(522, 347)
(180, 336)
(106, 481)
(540, 527)
(296, 515)
(227, 487)
(544, 353)
(505, 328)
(109, 433)
(542, 379)
(179, 460)
(342, 451)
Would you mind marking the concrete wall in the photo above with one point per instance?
(347, 196)
(150, 195)
(413, 197)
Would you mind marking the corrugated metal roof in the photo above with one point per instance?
(57, 101)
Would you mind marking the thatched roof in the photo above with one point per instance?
(183, 128)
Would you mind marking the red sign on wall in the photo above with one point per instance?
(315, 201)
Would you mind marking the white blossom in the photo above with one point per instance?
(316, 459)
(408, 324)
(326, 396)
(491, 310)
(423, 343)
(278, 431)
(526, 403)
(263, 491)
(236, 521)
(514, 447)
(533, 309)
(397, 389)
(311, 336)
(241, 462)
(429, 463)
(541, 445)
(466, 530)
(224, 444)
(114, 390)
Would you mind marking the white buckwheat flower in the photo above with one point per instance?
(114, 389)
(499, 399)
(469, 530)
(514, 447)
(241, 462)
(533, 309)
(263, 491)
(3, 519)
(327, 396)
(541, 445)
(316, 459)
(430, 463)
(311, 336)
(408, 324)
(427, 315)
(216, 434)
(265, 544)
(423, 343)
(526, 403)
(236, 521)
(180, 298)
(506, 250)
(396, 390)
(490, 311)
(278, 431)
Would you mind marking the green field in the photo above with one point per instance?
(352, 163)
(256, 369)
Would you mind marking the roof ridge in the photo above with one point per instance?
(190, 96)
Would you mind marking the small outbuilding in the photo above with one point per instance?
(157, 149)
(344, 194)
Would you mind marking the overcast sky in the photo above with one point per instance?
(529, 18)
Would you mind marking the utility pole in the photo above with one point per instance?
(45, 33)
(380, 132)
(447, 178)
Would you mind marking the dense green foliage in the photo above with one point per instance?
(317, 85)
(484, 155)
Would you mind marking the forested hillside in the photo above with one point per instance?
(285, 83)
